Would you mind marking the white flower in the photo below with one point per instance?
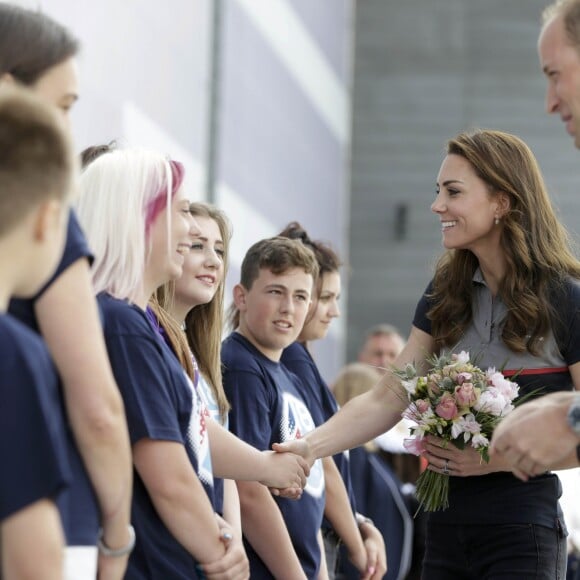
(492, 401)
(479, 440)
(467, 425)
(410, 385)
(461, 358)
(506, 387)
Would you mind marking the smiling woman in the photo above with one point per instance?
(509, 292)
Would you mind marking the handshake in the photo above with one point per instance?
(287, 467)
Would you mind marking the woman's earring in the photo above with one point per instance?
(497, 221)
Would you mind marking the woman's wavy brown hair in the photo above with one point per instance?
(537, 247)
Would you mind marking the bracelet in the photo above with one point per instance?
(117, 553)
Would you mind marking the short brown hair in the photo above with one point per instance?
(36, 157)
(278, 255)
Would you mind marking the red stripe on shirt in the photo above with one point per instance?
(545, 371)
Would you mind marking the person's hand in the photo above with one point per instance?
(535, 436)
(234, 565)
(299, 447)
(284, 470)
(110, 568)
(287, 492)
(443, 456)
(376, 564)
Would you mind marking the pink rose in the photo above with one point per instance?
(462, 378)
(422, 405)
(465, 395)
(447, 409)
(416, 446)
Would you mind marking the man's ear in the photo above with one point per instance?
(47, 219)
(240, 297)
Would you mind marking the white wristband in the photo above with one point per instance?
(123, 551)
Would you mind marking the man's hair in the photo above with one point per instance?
(278, 255)
(570, 12)
(31, 43)
(36, 157)
(383, 330)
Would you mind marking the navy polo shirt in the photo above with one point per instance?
(78, 504)
(501, 498)
(268, 406)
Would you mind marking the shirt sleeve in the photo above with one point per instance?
(145, 382)
(420, 320)
(251, 408)
(567, 330)
(76, 247)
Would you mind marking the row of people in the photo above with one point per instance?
(485, 210)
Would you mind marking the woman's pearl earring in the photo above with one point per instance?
(497, 221)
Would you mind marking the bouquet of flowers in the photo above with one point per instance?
(456, 401)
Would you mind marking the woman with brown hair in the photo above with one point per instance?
(506, 290)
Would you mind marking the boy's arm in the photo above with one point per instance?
(179, 497)
(32, 543)
(338, 511)
(264, 527)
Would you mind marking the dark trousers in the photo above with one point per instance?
(499, 552)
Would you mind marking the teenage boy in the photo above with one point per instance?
(36, 177)
(271, 301)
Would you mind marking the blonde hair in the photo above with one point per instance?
(354, 380)
(203, 323)
(121, 191)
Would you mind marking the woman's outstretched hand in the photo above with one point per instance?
(299, 447)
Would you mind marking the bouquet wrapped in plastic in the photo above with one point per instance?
(458, 402)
